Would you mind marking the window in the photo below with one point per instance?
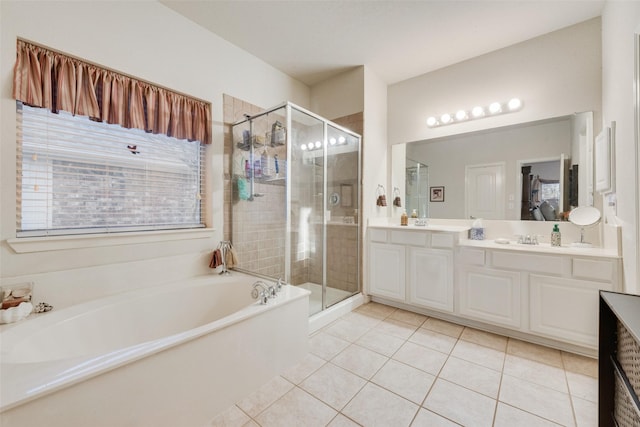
(76, 176)
(550, 190)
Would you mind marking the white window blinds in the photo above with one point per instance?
(78, 176)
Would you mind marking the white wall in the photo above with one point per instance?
(151, 42)
(448, 157)
(556, 74)
(620, 19)
(374, 154)
(339, 96)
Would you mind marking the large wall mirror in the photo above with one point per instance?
(530, 171)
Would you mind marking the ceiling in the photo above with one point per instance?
(312, 40)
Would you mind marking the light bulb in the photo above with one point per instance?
(514, 104)
(432, 121)
(332, 141)
(445, 118)
(318, 144)
(342, 140)
(477, 111)
(495, 108)
(461, 115)
(303, 147)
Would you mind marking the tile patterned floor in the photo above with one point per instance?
(381, 366)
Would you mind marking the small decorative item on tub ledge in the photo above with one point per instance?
(42, 307)
(14, 295)
(16, 302)
(13, 314)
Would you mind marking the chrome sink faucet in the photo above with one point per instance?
(528, 239)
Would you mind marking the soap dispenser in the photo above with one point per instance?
(404, 219)
(556, 236)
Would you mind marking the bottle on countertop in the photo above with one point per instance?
(404, 219)
(414, 214)
(556, 237)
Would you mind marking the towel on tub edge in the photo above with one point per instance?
(216, 259)
(232, 258)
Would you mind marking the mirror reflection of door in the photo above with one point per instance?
(485, 191)
(543, 189)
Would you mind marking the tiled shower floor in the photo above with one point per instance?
(315, 299)
(381, 366)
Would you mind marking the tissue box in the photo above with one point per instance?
(476, 233)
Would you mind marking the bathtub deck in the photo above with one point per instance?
(218, 363)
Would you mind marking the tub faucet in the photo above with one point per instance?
(264, 293)
(279, 284)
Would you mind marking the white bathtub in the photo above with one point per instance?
(173, 355)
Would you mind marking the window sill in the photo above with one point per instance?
(45, 244)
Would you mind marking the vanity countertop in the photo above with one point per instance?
(429, 227)
(540, 248)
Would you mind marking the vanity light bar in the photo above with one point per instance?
(477, 112)
(317, 144)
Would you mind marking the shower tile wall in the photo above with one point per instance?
(257, 231)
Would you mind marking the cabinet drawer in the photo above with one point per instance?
(378, 235)
(442, 240)
(409, 238)
(592, 269)
(471, 256)
(547, 264)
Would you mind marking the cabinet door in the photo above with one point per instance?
(431, 278)
(565, 309)
(387, 270)
(491, 295)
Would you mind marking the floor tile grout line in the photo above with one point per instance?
(498, 401)
(449, 355)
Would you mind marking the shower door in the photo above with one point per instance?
(323, 194)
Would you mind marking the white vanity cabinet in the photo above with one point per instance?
(431, 278)
(412, 266)
(490, 295)
(565, 309)
(551, 295)
(387, 270)
(538, 293)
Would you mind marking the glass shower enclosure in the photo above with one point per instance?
(295, 202)
(417, 188)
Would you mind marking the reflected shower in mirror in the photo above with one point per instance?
(530, 171)
(417, 188)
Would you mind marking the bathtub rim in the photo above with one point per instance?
(32, 381)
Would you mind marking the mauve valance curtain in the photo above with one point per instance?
(48, 79)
